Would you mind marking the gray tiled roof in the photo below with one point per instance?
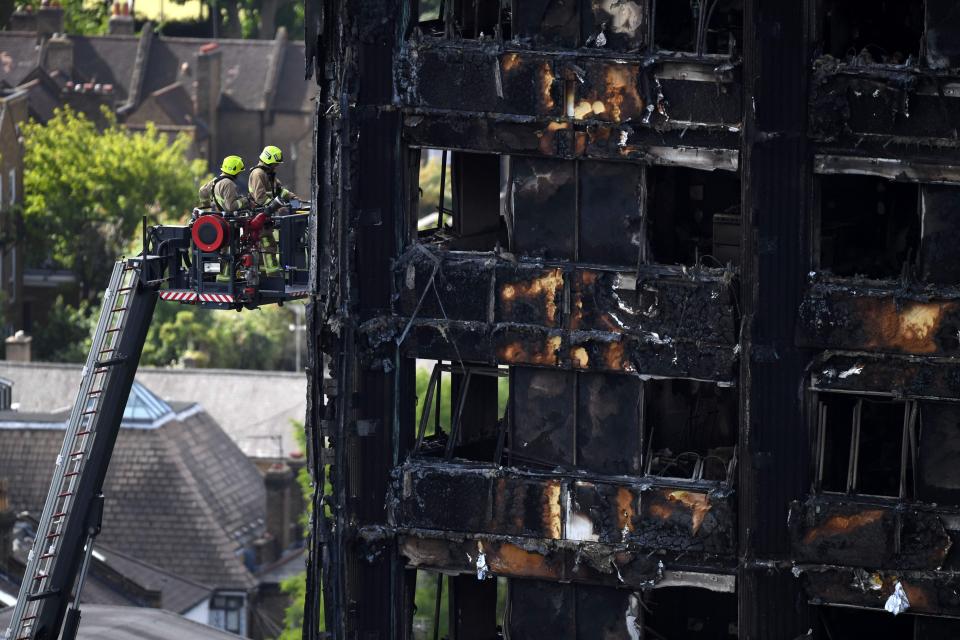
(106, 59)
(19, 55)
(177, 593)
(257, 423)
(105, 622)
(181, 496)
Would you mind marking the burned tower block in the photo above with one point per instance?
(635, 319)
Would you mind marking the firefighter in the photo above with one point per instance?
(264, 187)
(222, 192)
(263, 182)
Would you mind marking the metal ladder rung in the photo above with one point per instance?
(118, 310)
(76, 453)
(114, 330)
(85, 433)
(89, 413)
(65, 494)
(47, 556)
(71, 474)
(51, 536)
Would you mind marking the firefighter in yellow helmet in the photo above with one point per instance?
(263, 183)
(222, 192)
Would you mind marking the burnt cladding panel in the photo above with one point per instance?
(543, 417)
(541, 610)
(574, 612)
(609, 212)
(608, 423)
(544, 207)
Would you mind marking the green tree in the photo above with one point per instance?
(79, 16)
(296, 586)
(86, 190)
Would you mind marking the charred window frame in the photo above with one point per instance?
(694, 439)
(471, 431)
(454, 199)
(854, 456)
(692, 217)
(699, 26)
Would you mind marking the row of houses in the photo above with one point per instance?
(203, 507)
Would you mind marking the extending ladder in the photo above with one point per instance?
(68, 509)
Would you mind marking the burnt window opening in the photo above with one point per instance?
(699, 26)
(461, 411)
(866, 445)
(693, 216)
(873, 31)
(691, 429)
(457, 199)
(843, 623)
(467, 19)
(614, 424)
(938, 474)
(445, 606)
(688, 613)
(868, 226)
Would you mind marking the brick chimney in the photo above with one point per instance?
(18, 347)
(121, 21)
(208, 95)
(58, 55)
(280, 481)
(49, 19)
(24, 19)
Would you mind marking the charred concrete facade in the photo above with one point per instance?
(710, 249)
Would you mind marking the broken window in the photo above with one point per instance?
(868, 226)
(842, 623)
(939, 261)
(691, 429)
(694, 216)
(469, 19)
(939, 449)
(866, 445)
(699, 26)
(461, 411)
(687, 613)
(458, 606)
(872, 31)
(457, 200)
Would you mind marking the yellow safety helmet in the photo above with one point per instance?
(232, 165)
(271, 155)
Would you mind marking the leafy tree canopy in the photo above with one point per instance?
(86, 191)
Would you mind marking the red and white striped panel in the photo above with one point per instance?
(179, 296)
(297, 293)
(215, 297)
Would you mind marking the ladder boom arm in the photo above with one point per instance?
(66, 524)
